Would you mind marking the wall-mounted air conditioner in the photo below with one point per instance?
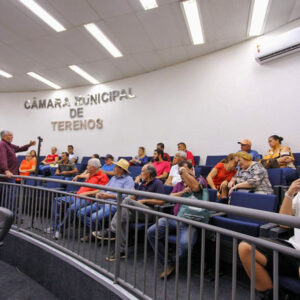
(281, 45)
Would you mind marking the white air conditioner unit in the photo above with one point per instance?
(281, 45)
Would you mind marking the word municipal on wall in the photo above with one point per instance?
(76, 108)
(94, 99)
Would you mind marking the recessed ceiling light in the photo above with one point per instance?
(4, 74)
(192, 19)
(44, 80)
(259, 12)
(84, 74)
(43, 15)
(103, 40)
(149, 4)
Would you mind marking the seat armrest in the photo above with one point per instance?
(264, 230)
(298, 171)
(283, 233)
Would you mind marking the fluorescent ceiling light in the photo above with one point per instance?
(44, 80)
(102, 39)
(259, 12)
(43, 15)
(149, 4)
(84, 74)
(192, 19)
(4, 74)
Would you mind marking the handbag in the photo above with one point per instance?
(195, 213)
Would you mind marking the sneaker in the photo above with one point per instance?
(106, 234)
(112, 257)
(170, 270)
(57, 235)
(48, 230)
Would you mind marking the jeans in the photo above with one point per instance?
(75, 204)
(95, 213)
(9, 195)
(44, 170)
(183, 238)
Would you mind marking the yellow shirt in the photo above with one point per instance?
(281, 151)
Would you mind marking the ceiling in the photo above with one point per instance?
(149, 40)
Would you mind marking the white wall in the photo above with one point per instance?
(210, 103)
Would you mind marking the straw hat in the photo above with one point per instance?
(124, 164)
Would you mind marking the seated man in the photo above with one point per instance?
(189, 155)
(95, 177)
(93, 214)
(108, 167)
(287, 265)
(246, 146)
(85, 173)
(174, 176)
(65, 167)
(150, 184)
(72, 156)
(186, 187)
(166, 156)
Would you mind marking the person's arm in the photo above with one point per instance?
(151, 201)
(138, 178)
(189, 180)
(3, 162)
(110, 173)
(57, 172)
(74, 171)
(169, 180)
(287, 203)
(89, 193)
(23, 148)
(163, 175)
(84, 174)
(212, 174)
(55, 160)
(104, 196)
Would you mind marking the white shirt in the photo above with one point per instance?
(175, 175)
(295, 239)
(71, 156)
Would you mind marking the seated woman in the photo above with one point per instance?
(251, 175)
(50, 161)
(141, 159)
(221, 174)
(278, 155)
(85, 173)
(27, 165)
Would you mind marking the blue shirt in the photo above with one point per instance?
(124, 182)
(255, 155)
(143, 161)
(154, 186)
(109, 168)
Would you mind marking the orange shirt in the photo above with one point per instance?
(27, 165)
(99, 178)
(222, 174)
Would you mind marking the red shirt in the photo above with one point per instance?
(189, 155)
(222, 174)
(99, 178)
(167, 157)
(51, 158)
(161, 167)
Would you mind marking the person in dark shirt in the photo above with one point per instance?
(9, 164)
(66, 167)
(166, 156)
(150, 184)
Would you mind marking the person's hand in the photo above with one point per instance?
(231, 190)
(9, 174)
(75, 178)
(32, 143)
(187, 190)
(230, 184)
(142, 201)
(294, 188)
(218, 195)
(102, 195)
(223, 184)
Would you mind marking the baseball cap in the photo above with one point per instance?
(245, 142)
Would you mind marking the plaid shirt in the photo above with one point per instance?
(257, 177)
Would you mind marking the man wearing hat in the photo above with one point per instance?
(246, 147)
(108, 167)
(94, 213)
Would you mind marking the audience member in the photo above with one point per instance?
(246, 147)
(75, 203)
(27, 165)
(251, 175)
(85, 173)
(174, 176)
(108, 167)
(185, 188)
(221, 174)
(72, 156)
(50, 160)
(189, 156)
(166, 156)
(66, 167)
(282, 154)
(141, 159)
(150, 184)
(287, 265)
(93, 214)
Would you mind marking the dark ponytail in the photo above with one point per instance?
(277, 138)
